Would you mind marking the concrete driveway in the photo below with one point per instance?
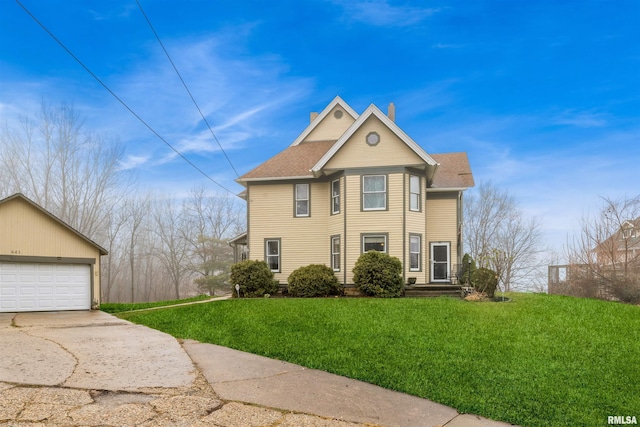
(88, 368)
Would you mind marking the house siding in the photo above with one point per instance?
(390, 151)
(389, 222)
(416, 224)
(303, 240)
(331, 128)
(442, 221)
(28, 233)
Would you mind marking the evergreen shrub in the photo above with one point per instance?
(254, 277)
(315, 280)
(378, 274)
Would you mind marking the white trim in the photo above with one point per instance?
(375, 111)
(432, 263)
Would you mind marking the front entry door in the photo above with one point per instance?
(440, 264)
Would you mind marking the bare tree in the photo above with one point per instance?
(211, 219)
(173, 252)
(604, 258)
(70, 172)
(499, 236)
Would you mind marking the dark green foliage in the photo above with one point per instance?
(254, 277)
(468, 266)
(315, 280)
(378, 274)
(485, 280)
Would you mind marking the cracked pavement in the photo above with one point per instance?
(93, 369)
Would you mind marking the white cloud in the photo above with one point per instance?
(583, 119)
(381, 13)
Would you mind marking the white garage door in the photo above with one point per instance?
(44, 287)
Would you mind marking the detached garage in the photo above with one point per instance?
(45, 265)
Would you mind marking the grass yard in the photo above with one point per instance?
(109, 307)
(539, 360)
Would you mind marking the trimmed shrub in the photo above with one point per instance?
(315, 280)
(254, 277)
(378, 274)
(485, 280)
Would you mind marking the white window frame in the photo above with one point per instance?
(383, 192)
(298, 199)
(415, 198)
(418, 267)
(335, 197)
(335, 254)
(277, 255)
(433, 262)
(385, 238)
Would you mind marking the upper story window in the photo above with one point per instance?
(335, 196)
(414, 193)
(302, 199)
(374, 192)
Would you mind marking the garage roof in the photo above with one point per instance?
(21, 196)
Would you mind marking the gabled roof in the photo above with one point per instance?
(336, 101)
(306, 159)
(372, 110)
(21, 196)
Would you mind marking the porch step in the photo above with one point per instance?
(433, 291)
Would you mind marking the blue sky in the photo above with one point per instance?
(544, 96)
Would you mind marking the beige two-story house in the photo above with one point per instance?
(352, 183)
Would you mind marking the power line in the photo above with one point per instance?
(186, 88)
(124, 104)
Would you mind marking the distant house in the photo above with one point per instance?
(622, 247)
(351, 183)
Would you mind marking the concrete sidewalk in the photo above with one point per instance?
(244, 377)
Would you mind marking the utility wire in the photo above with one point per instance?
(186, 88)
(124, 104)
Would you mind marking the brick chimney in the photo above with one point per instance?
(392, 112)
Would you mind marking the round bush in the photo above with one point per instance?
(378, 274)
(315, 280)
(254, 277)
(485, 280)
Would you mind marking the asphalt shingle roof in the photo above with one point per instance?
(454, 171)
(295, 161)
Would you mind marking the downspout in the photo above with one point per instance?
(344, 238)
(404, 228)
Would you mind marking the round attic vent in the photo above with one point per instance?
(373, 138)
(337, 114)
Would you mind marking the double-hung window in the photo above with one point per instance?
(415, 252)
(414, 193)
(374, 192)
(335, 253)
(335, 196)
(302, 199)
(272, 254)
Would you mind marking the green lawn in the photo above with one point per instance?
(122, 307)
(539, 360)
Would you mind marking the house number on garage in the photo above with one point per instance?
(13, 252)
